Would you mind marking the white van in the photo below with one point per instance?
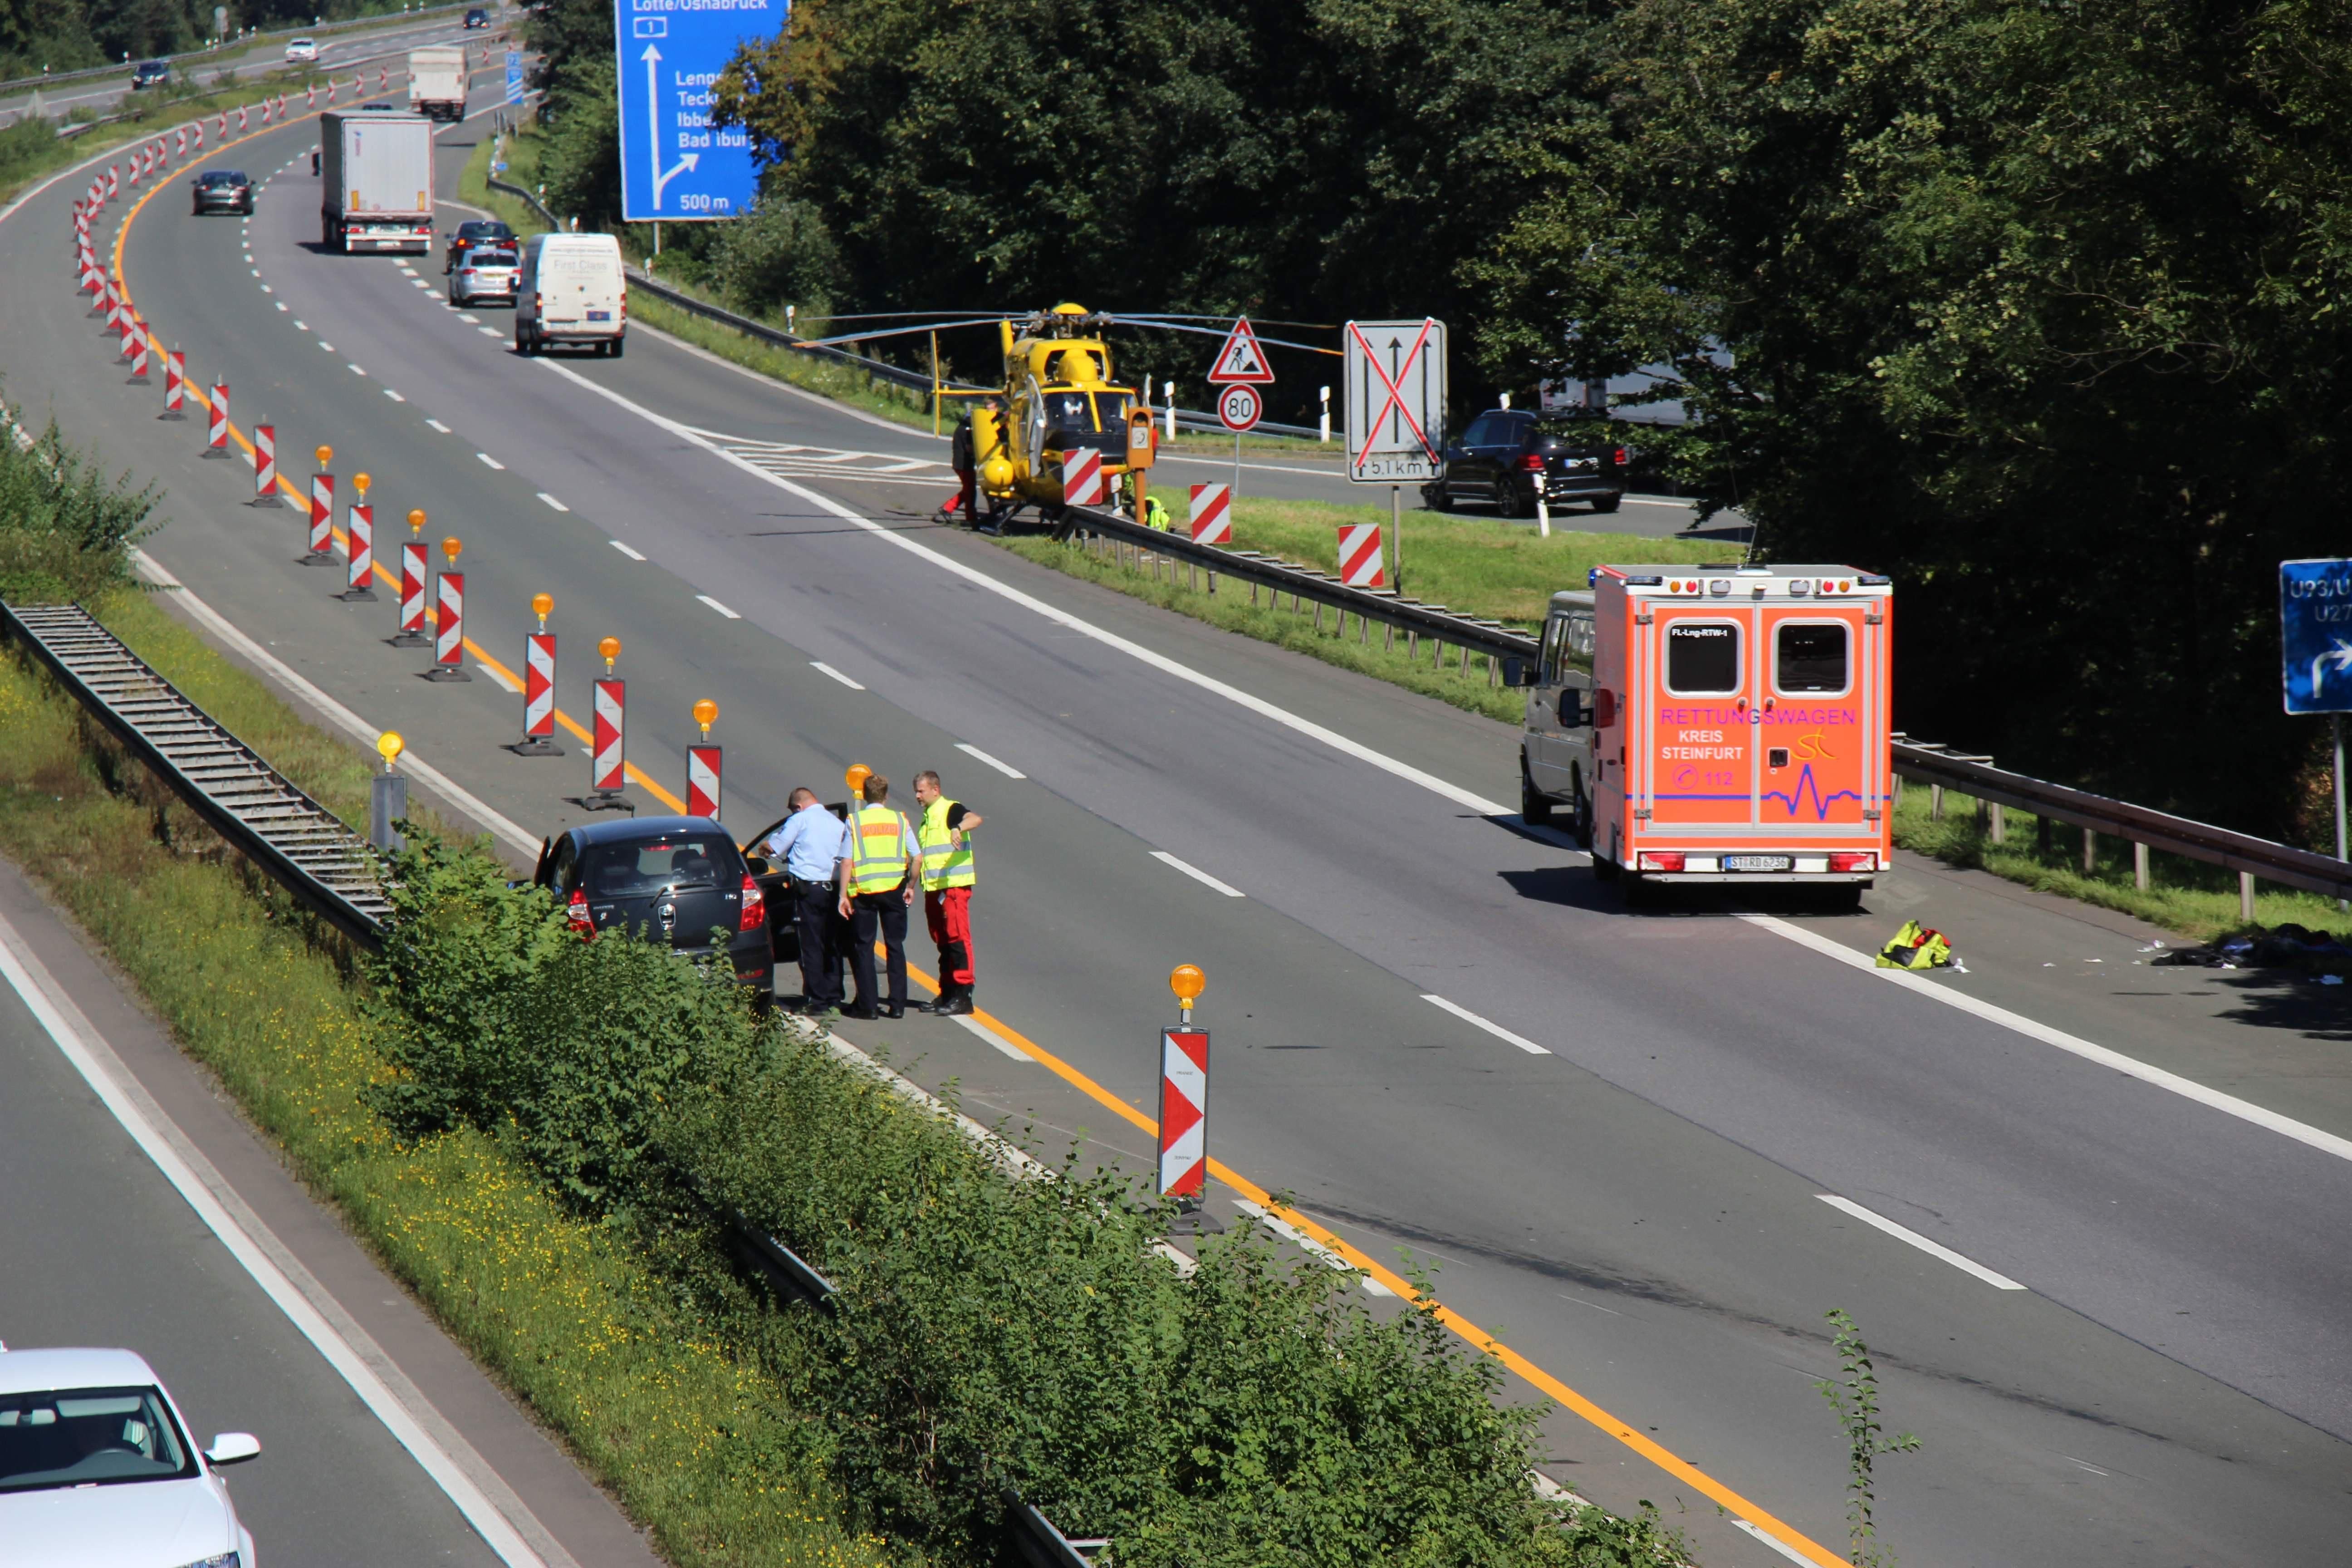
(570, 290)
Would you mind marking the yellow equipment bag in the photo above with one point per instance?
(1915, 947)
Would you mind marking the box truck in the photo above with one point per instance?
(377, 174)
(1716, 724)
(437, 83)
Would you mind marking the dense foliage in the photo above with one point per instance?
(70, 35)
(66, 530)
(993, 1335)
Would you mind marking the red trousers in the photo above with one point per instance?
(949, 913)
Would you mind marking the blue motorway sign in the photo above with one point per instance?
(676, 164)
(2316, 634)
(514, 76)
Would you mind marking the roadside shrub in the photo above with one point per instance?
(782, 252)
(66, 531)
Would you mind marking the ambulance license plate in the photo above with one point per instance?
(1756, 862)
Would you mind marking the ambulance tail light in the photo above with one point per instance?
(1853, 860)
(1669, 861)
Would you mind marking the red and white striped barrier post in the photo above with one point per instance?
(114, 304)
(539, 685)
(358, 532)
(608, 765)
(702, 765)
(217, 425)
(137, 344)
(265, 466)
(311, 96)
(175, 385)
(1213, 516)
(1361, 563)
(180, 142)
(1082, 476)
(242, 124)
(412, 586)
(331, 90)
(129, 328)
(137, 164)
(321, 551)
(1184, 1108)
(113, 183)
(95, 281)
(449, 617)
(384, 79)
(281, 107)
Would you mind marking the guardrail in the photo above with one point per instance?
(1941, 769)
(122, 67)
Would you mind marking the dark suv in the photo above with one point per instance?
(664, 878)
(477, 17)
(1506, 452)
(149, 73)
(223, 191)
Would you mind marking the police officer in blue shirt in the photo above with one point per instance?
(814, 844)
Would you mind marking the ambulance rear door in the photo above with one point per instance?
(1700, 662)
(1821, 717)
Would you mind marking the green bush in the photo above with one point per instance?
(782, 252)
(66, 531)
(991, 1334)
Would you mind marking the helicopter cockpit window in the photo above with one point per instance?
(1068, 411)
(1110, 410)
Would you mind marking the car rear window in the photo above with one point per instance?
(652, 864)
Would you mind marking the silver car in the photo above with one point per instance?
(486, 272)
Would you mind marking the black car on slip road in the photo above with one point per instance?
(223, 191)
(477, 17)
(149, 73)
(673, 879)
(1506, 453)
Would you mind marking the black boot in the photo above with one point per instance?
(956, 1003)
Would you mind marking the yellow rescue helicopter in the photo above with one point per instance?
(1059, 401)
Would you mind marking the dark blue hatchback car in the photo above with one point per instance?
(671, 879)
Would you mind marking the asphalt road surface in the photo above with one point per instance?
(1637, 1204)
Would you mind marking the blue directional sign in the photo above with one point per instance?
(675, 165)
(514, 76)
(2316, 634)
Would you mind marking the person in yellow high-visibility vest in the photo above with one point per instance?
(875, 894)
(945, 840)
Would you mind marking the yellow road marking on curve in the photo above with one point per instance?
(1477, 1338)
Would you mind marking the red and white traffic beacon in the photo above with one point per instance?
(1718, 725)
(1184, 1110)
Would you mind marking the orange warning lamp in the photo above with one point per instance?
(360, 482)
(609, 650)
(1187, 981)
(451, 548)
(416, 522)
(705, 713)
(325, 455)
(389, 745)
(856, 779)
(542, 605)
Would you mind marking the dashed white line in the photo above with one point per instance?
(1494, 1029)
(1198, 875)
(629, 552)
(717, 606)
(498, 674)
(1934, 1249)
(993, 1037)
(490, 461)
(354, 369)
(824, 668)
(438, 425)
(552, 502)
(301, 326)
(472, 321)
(268, 290)
(281, 304)
(257, 271)
(489, 331)
(420, 283)
(1007, 769)
(326, 345)
(394, 396)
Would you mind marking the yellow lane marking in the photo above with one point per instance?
(1552, 1387)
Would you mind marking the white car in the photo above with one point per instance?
(97, 1469)
(302, 50)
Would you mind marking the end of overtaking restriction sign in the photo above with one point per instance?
(1395, 410)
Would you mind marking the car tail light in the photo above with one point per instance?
(577, 910)
(1853, 860)
(755, 905)
(1532, 462)
(1669, 861)
(1617, 457)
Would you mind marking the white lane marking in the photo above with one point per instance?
(438, 425)
(2087, 1464)
(1791, 1552)
(268, 290)
(498, 674)
(248, 1241)
(326, 345)
(301, 326)
(1198, 875)
(2188, 1088)
(354, 369)
(1007, 769)
(552, 502)
(824, 668)
(1492, 1028)
(490, 461)
(469, 320)
(1309, 1245)
(1934, 1249)
(627, 551)
(993, 1037)
(717, 606)
(351, 723)
(394, 396)
(489, 331)
(281, 304)
(257, 271)
(1468, 799)
(419, 281)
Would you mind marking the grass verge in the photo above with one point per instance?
(699, 1449)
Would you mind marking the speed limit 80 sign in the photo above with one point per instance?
(1239, 408)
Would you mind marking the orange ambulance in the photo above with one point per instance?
(1718, 724)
